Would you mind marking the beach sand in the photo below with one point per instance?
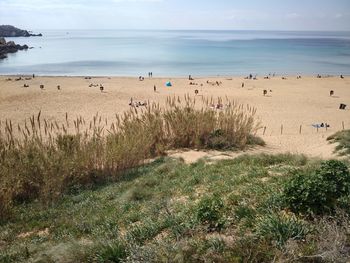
(292, 102)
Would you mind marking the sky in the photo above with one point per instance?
(327, 15)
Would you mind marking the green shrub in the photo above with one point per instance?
(244, 212)
(140, 194)
(112, 252)
(343, 140)
(210, 212)
(255, 140)
(279, 228)
(319, 191)
(337, 174)
(145, 231)
(218, 140)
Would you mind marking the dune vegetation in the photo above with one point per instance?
(41, 160)
(97, 191)
(240, 210)
(342, 138)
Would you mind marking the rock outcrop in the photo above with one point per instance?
(9, 47)
(11, 31)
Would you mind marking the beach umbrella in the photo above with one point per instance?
(168, 84)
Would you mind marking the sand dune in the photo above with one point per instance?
(290, 103)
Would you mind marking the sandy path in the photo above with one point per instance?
(291, 103)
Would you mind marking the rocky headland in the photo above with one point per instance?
(9, 47)
(11, 31)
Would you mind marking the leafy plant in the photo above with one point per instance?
(279, 228)
(319, 191)
(112, 252)
(210, 211)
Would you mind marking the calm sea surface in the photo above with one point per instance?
(180, 53)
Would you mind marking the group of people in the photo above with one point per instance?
(91, 85)
(150, 74)
(218, 106)
(137, 104)
(217, 83)
(194, 84)
(322, 125)
(251, 77)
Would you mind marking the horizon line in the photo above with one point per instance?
(144, 29)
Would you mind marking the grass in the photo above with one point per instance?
(168, 211)
(42, 160)
(343, 140)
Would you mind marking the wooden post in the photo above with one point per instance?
(264, 130)
(300, 129)
(281, 129)
(343, 125)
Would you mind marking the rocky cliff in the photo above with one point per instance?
(11, 31)
(9, 47)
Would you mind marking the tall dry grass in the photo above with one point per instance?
(43, 159)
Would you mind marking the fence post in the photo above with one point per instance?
(300, 129)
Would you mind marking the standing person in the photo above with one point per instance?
(151, 74)
(242, 84)
(154, 88)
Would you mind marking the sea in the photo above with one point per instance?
(180, 53)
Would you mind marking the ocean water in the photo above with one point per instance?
(180, 53)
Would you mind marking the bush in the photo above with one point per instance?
(279, 228)
(320, 191)
(112, 252)
(209, 211)
(218, 140)
(343, 140)
(5, 211)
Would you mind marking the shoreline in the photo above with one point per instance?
(259, 76)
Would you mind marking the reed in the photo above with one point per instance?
(43, 159)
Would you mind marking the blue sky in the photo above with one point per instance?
(177, 14)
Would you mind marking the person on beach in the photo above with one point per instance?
(154, 88)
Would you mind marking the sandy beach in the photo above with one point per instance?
(290, 103)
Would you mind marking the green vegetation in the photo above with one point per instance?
(42, 160)
(343, 140)
(168, 211)
(89, 192)
(318, 191)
